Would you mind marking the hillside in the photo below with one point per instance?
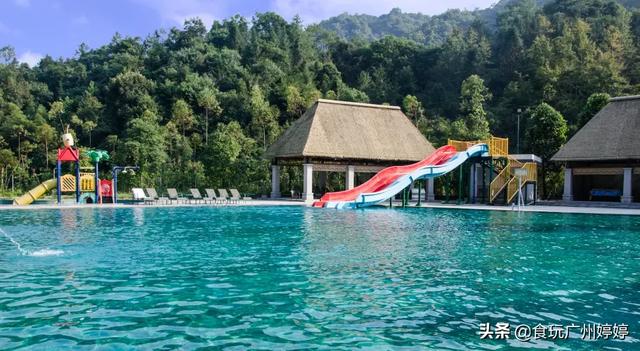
(424, 29)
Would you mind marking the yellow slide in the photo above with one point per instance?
(35, 193)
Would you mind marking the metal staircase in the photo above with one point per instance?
(504, 181)
(531, 176)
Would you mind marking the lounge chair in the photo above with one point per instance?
(172, 195)
(153, 195)
(139, 195)
(225, 195)
(195, 195)
(235, 195)
(211, 196)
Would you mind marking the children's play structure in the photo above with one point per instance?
(493, 176)
(83, 184)
(497, 177)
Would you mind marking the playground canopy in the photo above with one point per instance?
(605, 154)
(339, 136)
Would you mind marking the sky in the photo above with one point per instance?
(57, 27)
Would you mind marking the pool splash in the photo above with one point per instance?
(45, 252)
(37, 253)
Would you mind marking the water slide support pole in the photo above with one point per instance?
(484, 184)
(490, 178)
(115, 186)
(77, 181)
(58, 180)
(419, 193)
(404, 197)
(472, 182)
(96, 184)
(459, 185)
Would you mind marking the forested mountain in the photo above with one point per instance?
(198, 106)
(428, 30)
(424, 29)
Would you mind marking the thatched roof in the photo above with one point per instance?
(354, 131)
(612, 134)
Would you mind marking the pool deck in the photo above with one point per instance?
(549, 208)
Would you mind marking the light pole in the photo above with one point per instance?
(518, 137)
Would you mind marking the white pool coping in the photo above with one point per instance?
(112, 206)
(538, 208)
(530, 208)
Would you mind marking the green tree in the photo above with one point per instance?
(89, 111)
(55, 112)
(182, 116)
(473, 96)
(263, 116)
(146, 144)
(129, 95)
(207, 100)
(547, 132)
(595, 103)
(45, 134)
(8, 162)
(295, 103)
(413, 108)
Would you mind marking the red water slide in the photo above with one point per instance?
(387, 176)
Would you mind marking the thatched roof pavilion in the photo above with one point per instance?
(338, 136)
(342, 130)
(605, 154)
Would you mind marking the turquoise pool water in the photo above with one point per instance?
(293, 278)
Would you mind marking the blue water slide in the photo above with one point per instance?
(370, 199)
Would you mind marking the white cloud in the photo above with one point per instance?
(176, 12)
(30, 58)
(23, 3)
(312, 11)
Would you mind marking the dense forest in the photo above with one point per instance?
(423, 29)
(197, 106)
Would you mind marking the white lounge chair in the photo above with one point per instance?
(172, 195)
(235, 195)
(212, 197)
(225, 195)
(153, 194)
(139, 195)
(195, 195)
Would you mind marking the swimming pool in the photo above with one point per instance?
(292, 278)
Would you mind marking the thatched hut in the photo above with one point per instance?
(602, 160)
(338, 136)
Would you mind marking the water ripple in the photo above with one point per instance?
(295, 278)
